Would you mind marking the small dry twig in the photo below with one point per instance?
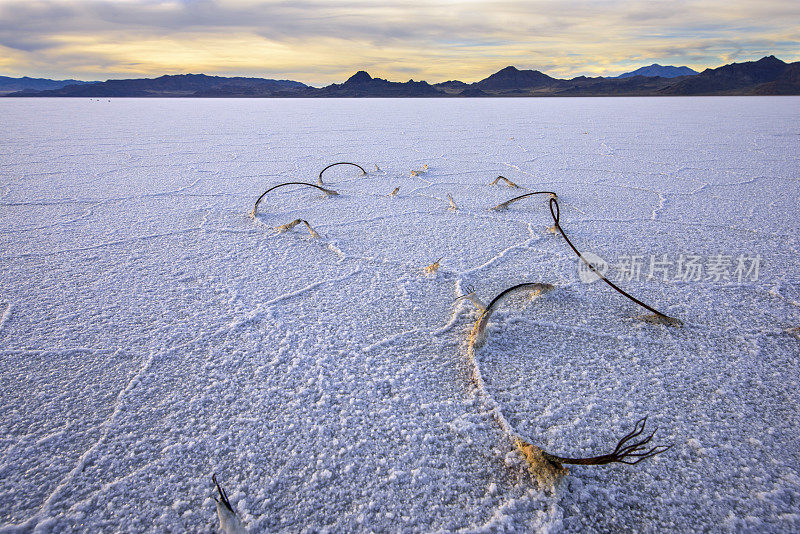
(453, 206)
(229, 521)
(288, 226)
(258, 201)
(418, 172)
(340, 163)
(394, 193)
(508, 182)
(433, 267)
(470, 291)
(223, 496)
(470, 295)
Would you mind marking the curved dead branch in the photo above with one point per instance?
(258, 201)
(547, 467)
(507, 203)
(480, 325)
(341, 163)
(555, 211)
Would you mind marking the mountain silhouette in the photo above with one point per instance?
(513, 79)
(10, 85)
(175, 85)
(767, 76)
(736, 78)
(664, 71)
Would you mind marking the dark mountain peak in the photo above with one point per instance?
(770, 60)
(451, 86)
(766, 62)
(727, 79)
(768, 65)
(664, 71)
(360, 77)
(511, 78)
(362, 84)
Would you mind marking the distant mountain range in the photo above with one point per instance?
(767, 76)
(181, 85)
(10, 85)
(664, 71)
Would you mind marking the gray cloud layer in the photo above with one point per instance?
(323, 40)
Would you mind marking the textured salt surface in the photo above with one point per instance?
(152, 334)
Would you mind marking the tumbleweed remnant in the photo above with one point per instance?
(433, 267)
(508, 182)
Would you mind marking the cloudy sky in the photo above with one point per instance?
(324, 41)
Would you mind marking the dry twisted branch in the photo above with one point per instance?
(536, 288)
(624, 453)
(453, 206)
(547, 467)
(504, 205)
(470, 295)
(229, 522)
(555, 212)
(223, 496)
(341, 163)
(258, 201)
(288, 226)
